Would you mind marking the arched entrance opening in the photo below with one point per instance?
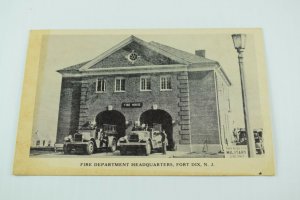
(151, 117)
(112, 117)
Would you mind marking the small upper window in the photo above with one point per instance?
(120, 84)
(145, 83)
(165, 83)
(100, 85)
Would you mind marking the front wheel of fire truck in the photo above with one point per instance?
(113, 147)
(90, 148)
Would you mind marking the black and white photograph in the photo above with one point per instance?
(158, 95)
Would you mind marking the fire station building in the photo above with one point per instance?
(151, 83)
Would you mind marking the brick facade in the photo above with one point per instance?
(191, 103)
(93, 103)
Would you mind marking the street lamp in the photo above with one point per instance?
(239, 41)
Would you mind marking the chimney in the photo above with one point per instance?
(200, 53)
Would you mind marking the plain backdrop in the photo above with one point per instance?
(280, 22)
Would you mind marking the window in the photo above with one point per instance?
(100, 85)
(120, 85)
(165, 83)
(145, 83)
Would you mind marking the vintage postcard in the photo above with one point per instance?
(145, 102)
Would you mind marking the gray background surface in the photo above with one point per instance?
(280, 21)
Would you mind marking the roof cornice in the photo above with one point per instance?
(143, 70)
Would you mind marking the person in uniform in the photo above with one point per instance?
(164, 142)
(103, 139)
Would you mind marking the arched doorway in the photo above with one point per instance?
(162, 117)
(112, 117)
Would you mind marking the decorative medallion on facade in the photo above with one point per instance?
(132, 57)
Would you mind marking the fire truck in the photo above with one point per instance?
(90, 138)
(143, 139)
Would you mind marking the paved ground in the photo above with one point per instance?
(170, 154)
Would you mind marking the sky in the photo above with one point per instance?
(63, 50)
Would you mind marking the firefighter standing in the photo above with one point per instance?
(164, 142)
(104, 139)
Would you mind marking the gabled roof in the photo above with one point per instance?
(178, 56)
(188, 57)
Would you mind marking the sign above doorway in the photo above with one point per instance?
(132, 105)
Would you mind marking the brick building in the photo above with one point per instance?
(151, 83)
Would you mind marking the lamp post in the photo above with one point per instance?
(239, 41)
